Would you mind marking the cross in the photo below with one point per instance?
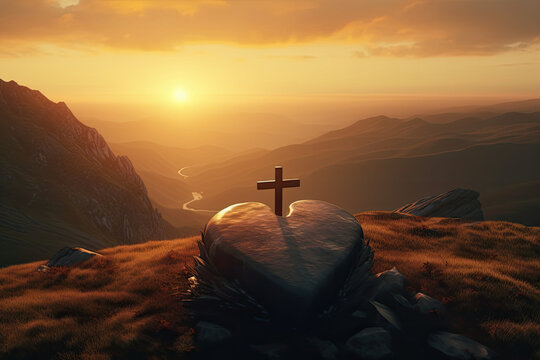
(278, 184)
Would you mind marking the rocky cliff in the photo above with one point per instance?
(61, 185)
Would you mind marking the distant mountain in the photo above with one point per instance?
(483, 112)
(233, 131)
(383, 163)
(526, 106)
(61, 185)
(167, 160)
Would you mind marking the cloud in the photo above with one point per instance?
(518, 64)
(377, 28)
(291, 57)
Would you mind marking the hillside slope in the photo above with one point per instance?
(128, 304)
(61, 184)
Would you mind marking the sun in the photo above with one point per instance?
(180, 95)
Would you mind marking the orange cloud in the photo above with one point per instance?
(379, 28)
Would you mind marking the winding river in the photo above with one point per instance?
(181, 173)
(196, 196)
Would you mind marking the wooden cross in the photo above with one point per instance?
(278, 184)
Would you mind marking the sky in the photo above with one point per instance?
(194, 52)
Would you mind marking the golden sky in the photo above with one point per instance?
(192, 51)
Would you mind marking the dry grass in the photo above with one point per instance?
(487, 273)
(126, 305)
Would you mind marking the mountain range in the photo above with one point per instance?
(63, 185)
(387, 162)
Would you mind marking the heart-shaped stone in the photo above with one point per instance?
(293, 265)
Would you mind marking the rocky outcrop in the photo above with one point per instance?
(64, 182)
(71, 256)
(458, 203)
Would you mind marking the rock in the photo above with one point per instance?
(391, 281)
(43, 268)
(359, 315)
(370, 344)
(210, 335)
(402, 301)
(387, 314)
(292, 265)
(458, 203)
(426, 304)
(71, 256)
(456, 346)
(271, 351)
(322, 349)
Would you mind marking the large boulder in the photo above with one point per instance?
(458, 203)
(292, 265)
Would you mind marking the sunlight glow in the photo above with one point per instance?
(180, 95)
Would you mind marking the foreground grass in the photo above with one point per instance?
(124, 305)
(127, 304)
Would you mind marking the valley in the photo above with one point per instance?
(387, 161)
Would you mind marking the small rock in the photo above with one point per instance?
(43, 268)
(459, 347)
(270, 351)
(426, 304)
(387, 314)
(391, 280)
(370, 344)
(359, 315)
(70, 256)
(402, 300)
(209, 334)
(325, 349)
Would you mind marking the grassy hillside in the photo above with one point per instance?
(127, 304)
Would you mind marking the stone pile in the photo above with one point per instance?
(301, 287)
